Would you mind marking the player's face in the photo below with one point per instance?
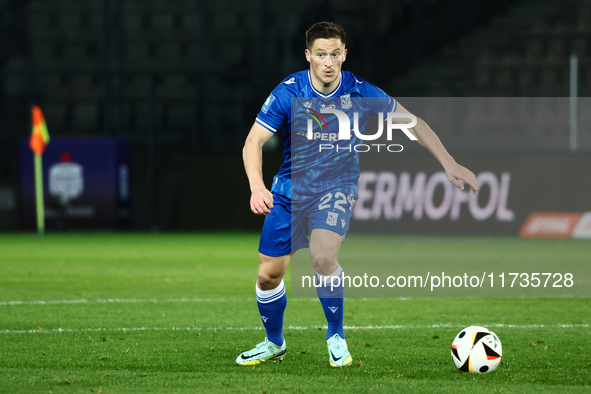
(326, 59)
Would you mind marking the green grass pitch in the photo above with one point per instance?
(131, 313)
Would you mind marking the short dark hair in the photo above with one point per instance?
(325, 30)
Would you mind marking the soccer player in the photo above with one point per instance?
(312, 196)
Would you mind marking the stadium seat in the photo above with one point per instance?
(180, 114)
(75, 53)
(175, 86)
(40, 25)
(584, 16)
(168, 52)
(139, 86)
(49, 83)
(69, 24)
(191, 22)
(132, 21)
(95, 22)
(55, 115)
(15, 78)
(534, 50)
(526, 74)
(162, 23)
(138, 54)
(85, 117)
(505, 71)
(482, 72)
(42, 52)
(585, 74)
(556, 48)
(70, 4)
(549, 76)
(146, 115)
(224, 21)
(84, 88)
(134, 5)
(580, 46)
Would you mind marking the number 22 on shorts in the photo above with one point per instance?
(340, 199)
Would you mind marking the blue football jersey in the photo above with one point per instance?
(315, 160)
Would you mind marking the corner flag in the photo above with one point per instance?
(37, 143)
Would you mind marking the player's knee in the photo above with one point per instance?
(323, 261)
(269, 280)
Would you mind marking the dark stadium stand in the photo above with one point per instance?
(524, 52)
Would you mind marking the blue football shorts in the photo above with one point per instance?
(287, 227)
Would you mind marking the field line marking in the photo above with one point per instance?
(189, 299)
(156, 301)
(295, 328)
(122, 301)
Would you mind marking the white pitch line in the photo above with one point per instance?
(157, 301)
(122, 301)
(295, 328)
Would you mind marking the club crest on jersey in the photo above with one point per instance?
(331, 220)
(268, 103)
(346, 101)
(351, 198)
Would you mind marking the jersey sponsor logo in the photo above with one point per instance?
(319, 136)
(268, 103)
(345, 102)
(331, 219)
(290, 81)
(324, 106)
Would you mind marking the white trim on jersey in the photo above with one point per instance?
(324, 95)
(395, 106)
(266, 126)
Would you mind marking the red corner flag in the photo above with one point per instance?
(39, 135)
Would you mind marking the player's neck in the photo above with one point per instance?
(323, 88)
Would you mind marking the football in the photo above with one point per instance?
(476, 349)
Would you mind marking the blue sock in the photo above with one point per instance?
(333, 302)
(271, 307)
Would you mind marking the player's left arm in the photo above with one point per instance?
(427, 138)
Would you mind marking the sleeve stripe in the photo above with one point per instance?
(395, 106)
(259, 121)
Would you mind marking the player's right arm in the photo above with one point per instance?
(261, 199)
